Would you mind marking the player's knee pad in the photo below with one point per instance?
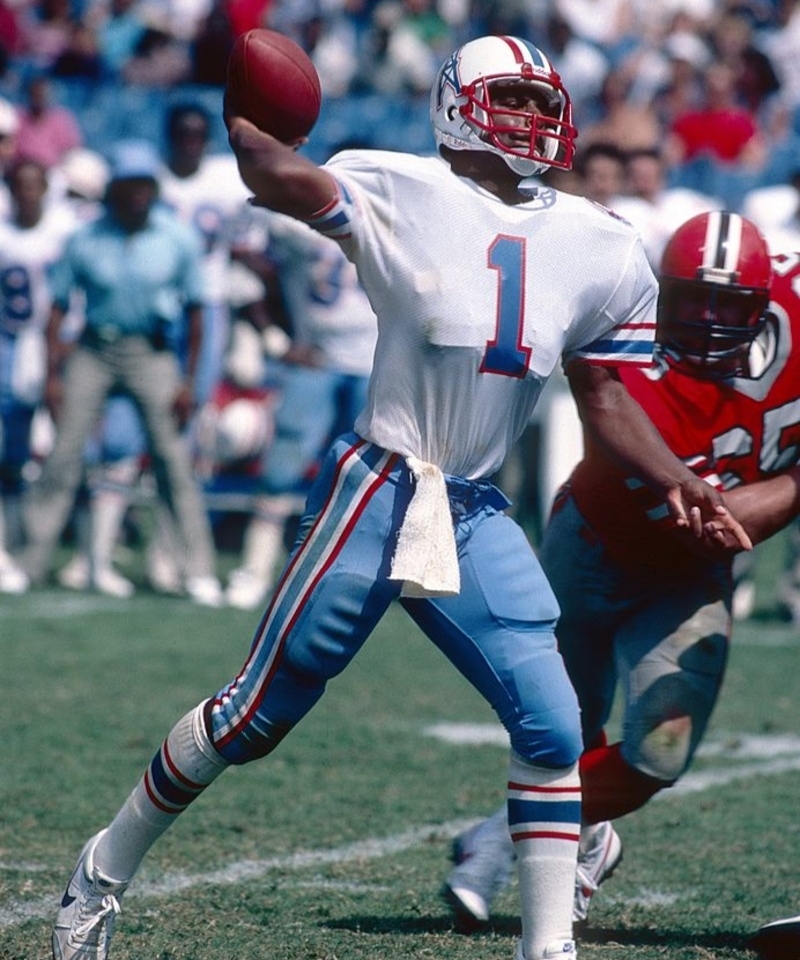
(665, 751)
(258, 739)
(664, 728)
(556, 743)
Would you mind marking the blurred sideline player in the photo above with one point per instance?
(205, 192)
(402, 509)
(113, 450)
(32, 238)
(124, 345)
(637, 607)
(323, 380)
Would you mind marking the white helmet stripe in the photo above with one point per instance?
(723, 242)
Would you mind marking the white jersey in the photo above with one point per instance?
(326, 303)
(208, 200)
(477, 301)
(26, 258)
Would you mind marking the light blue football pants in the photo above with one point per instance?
(498, 632)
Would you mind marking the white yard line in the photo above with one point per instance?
(704, 780)
(780, 755)
(16, 912)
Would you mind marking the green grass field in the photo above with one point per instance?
(335, 847)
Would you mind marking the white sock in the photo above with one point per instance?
(184, 766)
(109, 505)
(166, 557)
(3, 549)
(544, 813)
(13, 525)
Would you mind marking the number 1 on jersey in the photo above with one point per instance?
(505, 354)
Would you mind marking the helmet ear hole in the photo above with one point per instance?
(452, 112)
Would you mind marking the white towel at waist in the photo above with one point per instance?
(425, 556)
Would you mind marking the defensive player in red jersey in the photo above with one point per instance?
(652, 611)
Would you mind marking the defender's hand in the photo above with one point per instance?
(695, 503)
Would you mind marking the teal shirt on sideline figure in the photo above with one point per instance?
(133, 282)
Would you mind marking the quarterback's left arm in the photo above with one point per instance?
(619, 426)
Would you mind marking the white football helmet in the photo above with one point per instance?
(464, 116)
(240, 430)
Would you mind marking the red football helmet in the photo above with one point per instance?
(713, 294)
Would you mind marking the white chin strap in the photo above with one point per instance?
(522, 166)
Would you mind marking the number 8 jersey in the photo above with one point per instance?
(477, 301)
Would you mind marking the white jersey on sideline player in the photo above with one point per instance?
(323, 380)
(208, 200)
(26, 256)
(325, 301)
(32, 238)
(205, 191)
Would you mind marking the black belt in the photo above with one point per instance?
(107, 335)
(468, 496)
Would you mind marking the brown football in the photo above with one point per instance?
(272, 82)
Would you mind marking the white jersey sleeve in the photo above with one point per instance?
(477, 301)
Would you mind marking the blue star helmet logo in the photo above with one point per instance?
(449, 75)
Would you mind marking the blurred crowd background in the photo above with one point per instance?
(681, 106)
(715, 84)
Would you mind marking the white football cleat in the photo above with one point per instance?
(13, 578)
(205, 591)
(484, 864)
(599, 854)
(162, 571)
(246, 590)
(89, 907)
(76, 574)
(558, 948)
(107, 581)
